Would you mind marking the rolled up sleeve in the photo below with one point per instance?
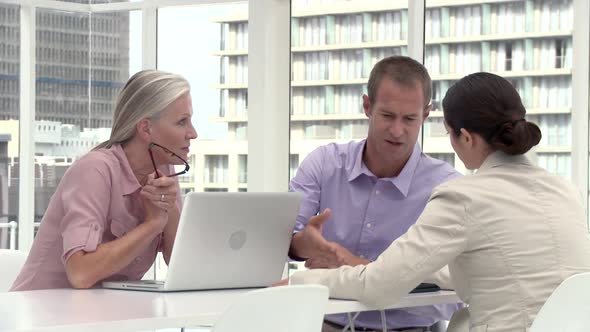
(308, 182)
(85, 198)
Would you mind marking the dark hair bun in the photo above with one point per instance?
(516, 137)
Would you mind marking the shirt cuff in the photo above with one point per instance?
(84, 238)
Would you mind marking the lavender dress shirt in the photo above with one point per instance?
(369, 213)
(96, 201)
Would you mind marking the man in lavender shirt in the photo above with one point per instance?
(370, 192)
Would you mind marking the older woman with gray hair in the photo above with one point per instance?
(118, 205)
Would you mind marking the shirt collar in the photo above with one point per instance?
(401, 182)
(498, 158)
(128, 179)
(358, 167)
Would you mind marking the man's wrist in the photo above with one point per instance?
(294, 257)
(295, 248)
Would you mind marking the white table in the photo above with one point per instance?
(114, 310)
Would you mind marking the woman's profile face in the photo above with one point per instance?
(174, 130)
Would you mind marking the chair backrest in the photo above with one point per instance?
(277, 309)
(568, 307)
(459, 321)
(11, 261)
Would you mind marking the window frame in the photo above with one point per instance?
(270, 56)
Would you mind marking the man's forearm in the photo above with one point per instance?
(334, 256)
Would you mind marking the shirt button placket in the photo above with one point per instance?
(368, 229)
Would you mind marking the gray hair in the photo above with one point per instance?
(145, 95)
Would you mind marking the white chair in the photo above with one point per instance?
(11, 261)
(277, 309)
(460, 321)
(568, 307)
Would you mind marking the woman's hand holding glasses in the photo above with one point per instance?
(158, 196)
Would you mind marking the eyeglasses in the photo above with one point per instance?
(186, 165)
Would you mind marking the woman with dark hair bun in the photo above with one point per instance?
(488, 105)
(510, 233)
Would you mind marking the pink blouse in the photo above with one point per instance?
(96, 201)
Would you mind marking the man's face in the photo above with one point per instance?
(395, 119)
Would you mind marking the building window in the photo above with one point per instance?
(215, 190)
(216, 169)
(320, 130)
(449, 158)
(243, 168)
(293, 165)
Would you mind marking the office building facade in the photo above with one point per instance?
(82, 60)
(335, 44)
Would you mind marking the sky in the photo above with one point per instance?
(187, 37)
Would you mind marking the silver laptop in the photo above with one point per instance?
(227, 240)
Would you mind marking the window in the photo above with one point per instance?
(293, 165)
(82, 58)
(242, 168)
(240, 131)
(320, 130)
(219, 86)
(9, 120)
(74, 86)
(449, 158)
(333, 52)
(557, 163)
(556, 129)
(499, 41)
(216, 167)
(187, 180)
(508, 50)
(213, 190)
(563, 50)
(434, 127)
